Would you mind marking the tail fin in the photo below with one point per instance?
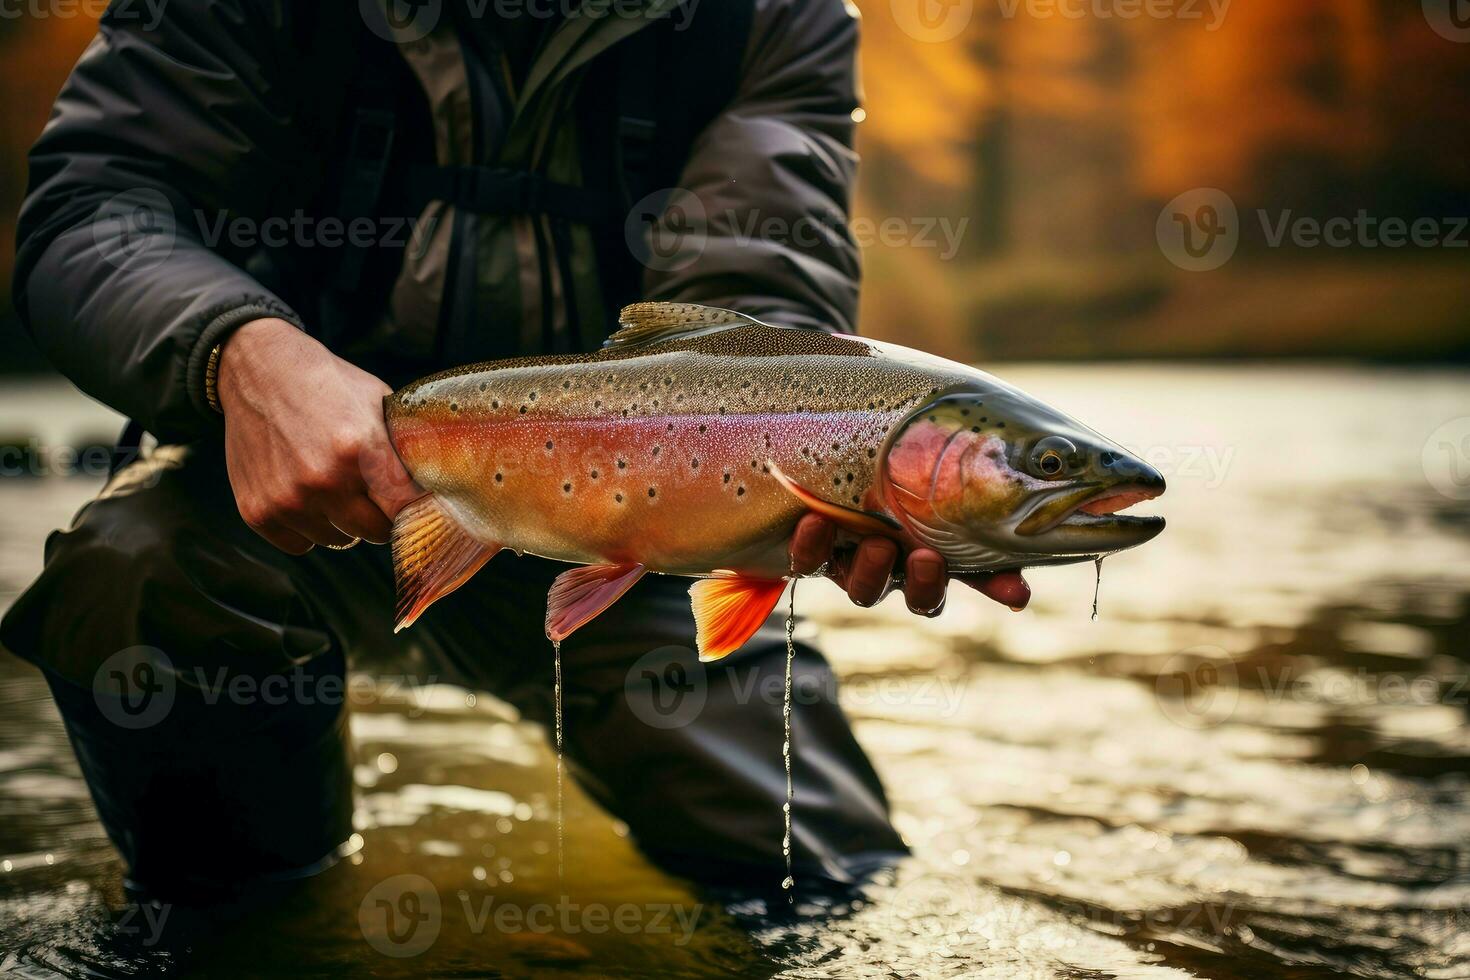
(432, 556)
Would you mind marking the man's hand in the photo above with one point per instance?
(305, 443)
(867, 575)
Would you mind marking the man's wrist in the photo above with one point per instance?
(222, 372)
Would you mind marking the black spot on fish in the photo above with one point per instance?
(566, 488)
(849, 478)
(454, 406)
(495, 403)
(872, 453)
(533, 396)
(618, 497)
(974, 428)
(548, 443)
(740, 490)
(499, 477)
(694, 463)
(727, 477)
(622, 464)
(594, 474)
(855, 499)
(655, 450)
(523, 410)
(484, 385)
(703, 427)
(1000, 425)
(652, 491)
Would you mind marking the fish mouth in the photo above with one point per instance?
(1094, 508)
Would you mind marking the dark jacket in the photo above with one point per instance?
(234, 111)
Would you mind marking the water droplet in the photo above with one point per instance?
(788, 883)
(1097, 588)
(560, 764)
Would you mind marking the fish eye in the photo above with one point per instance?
(1051, 455)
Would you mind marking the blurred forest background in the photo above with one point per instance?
(1049, 144)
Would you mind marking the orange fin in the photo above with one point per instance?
(432, 556)
(580, 595)
(728, 611)
(862, 522)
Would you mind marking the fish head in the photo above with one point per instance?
(993, 478)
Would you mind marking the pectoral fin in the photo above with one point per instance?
(432, 556)
(863, 522)
(579, 595)
(728, 611)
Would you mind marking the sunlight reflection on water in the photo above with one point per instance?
(1253, 765)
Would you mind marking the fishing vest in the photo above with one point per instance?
(521, 206)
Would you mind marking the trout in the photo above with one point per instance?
(694, 440)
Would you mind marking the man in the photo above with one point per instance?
(182, 259)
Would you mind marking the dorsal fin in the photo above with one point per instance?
(653, 323)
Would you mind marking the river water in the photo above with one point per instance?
(1254, 764)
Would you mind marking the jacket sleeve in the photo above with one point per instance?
(761, 212)
(164, 131)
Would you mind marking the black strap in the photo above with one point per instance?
(498, 190)
(638, 89)
(373, 96)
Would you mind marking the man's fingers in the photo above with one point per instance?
(317, 529)
(361, 518)
(872, 566)
(811, 543)
(1007, 588)
(284, 538)
(924, 584)
(388, 483)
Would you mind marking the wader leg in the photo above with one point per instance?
(178, 646)
(687, 754)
